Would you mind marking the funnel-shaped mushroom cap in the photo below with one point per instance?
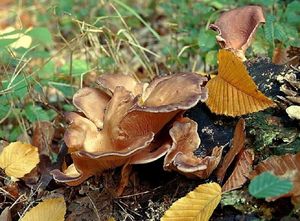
(163, 99)
(237, 27)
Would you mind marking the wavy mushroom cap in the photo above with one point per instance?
(180, 157)
(92, 102)
(237, 27)
(162, 100)
(109, 82)
(131, 118)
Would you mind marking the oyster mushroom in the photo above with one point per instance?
(132, 120)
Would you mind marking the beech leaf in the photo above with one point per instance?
(267, 185)
(233, 92)
(49, 210)
(197, 205)
(241, 171)
(237, 145)
(285, 166)
(18, 159)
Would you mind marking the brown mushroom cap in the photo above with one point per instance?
(92, 102)
(237, 27)
(109, 82)
(82, 134)
(164, 99)
(129, 123)
(180, 157)
(88, 164)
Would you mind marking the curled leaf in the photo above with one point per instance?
(241, 171)
(18, 159)
(238, 144)
(49, 210)
(197, 205)
(233, 92)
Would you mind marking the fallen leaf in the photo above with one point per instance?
(6, 215)
(43, 134)
(18, 159)
(197, 205)
(267, 185)
(240, 172)
(233, 92)
(238, 144)
(125, 175)
(49, 210)
(280, 55)
(285, 166)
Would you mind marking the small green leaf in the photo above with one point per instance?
(279, 33)
(269, 28)
(47, 71)
(7, 41)
(41, 35)
(78, 67)
(67, 90)
(268, 185)
(211, 57)
(206, 40)
(36, 113)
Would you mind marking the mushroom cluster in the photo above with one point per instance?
(125, 122)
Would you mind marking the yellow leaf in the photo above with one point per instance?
(197, 205)
(233, 92)
(22, 39)
(49, 210)
(18, 159)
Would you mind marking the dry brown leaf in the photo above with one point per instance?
(241, 171)
(49, 210)
(233, 92)
(6, 215)
(43, 133)
(18, 159)
(280, 55)
(237, 145)
(197, 205)
(125, 175)
(286, 166)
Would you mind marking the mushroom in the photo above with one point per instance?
(237, 27)
(127, 128)
(180, 157)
